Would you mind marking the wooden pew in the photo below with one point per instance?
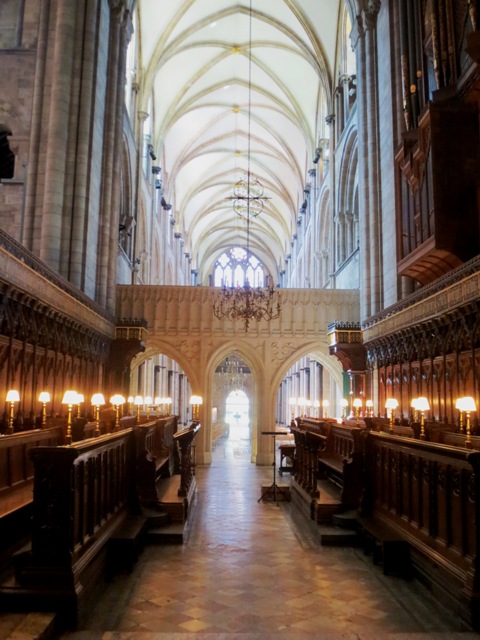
(428, 495)
(383, 425)
(327, 450)
(16, 479)
(156, 456)
(82, 495)
(341, 461)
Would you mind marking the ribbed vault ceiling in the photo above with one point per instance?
(195, 60)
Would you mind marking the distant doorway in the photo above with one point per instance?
(237, 415)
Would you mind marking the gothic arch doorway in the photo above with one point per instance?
(232, 409)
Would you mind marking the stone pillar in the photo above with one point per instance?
(77, 201)
(374, 177)
(27, 229)
(53, 238)
(120, 26)
(363, 42)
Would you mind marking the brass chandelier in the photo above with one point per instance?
(248, 302)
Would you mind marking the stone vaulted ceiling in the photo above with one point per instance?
(194, 56)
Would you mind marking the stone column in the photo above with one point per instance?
(52, 238)
(78, 199)
(363, 42)
(374, 177)
(27, 230)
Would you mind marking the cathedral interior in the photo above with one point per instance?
(233, 232)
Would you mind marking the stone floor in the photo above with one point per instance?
(254, 570)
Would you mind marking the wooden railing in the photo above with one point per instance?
(16, 467)
(81, 494)
(429, 495)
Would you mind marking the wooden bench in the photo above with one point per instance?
(386, 546)
(126, 543)
(156, 456)
(341, 461)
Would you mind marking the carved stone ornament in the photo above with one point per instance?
(281, 350)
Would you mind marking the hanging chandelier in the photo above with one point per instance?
(246, 302)
(232, 375)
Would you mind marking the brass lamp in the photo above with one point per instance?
(195, 401)
(308, 406)
(414, 405)
(292, 403)
(325, 406)
(357, 403)
(168, 404)
(70, 397)
(12, 397)
(44, 397)
(316, 406)
(422, 405)
(138, 402)
(130, 404)
(80, 400)
(98, 400)
(117, 400)
(468, 405)
(148, 404)
(459, 406)
(369, 406)
(301, 405)
(344, 405)
(391, 404)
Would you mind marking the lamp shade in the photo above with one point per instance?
(169, 401)
(459, 404)
(344, 402)
(148, 400)
(466, 404)
(369, 403)
(138, 400)
(13, 396)
(196, 400)
(316, 404)
(98, 399)
(117, 400)
(325, 403)
(70, 397)
(423, 404)
(44, 396)
(357, 403)
(158, 400)
(292, 401)
(391, 403)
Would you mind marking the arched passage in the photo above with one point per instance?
(182, 326)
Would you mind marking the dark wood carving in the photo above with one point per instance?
(428, 494)
(81, 494)
(184, 439)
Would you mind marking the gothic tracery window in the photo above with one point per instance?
(236, 267)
